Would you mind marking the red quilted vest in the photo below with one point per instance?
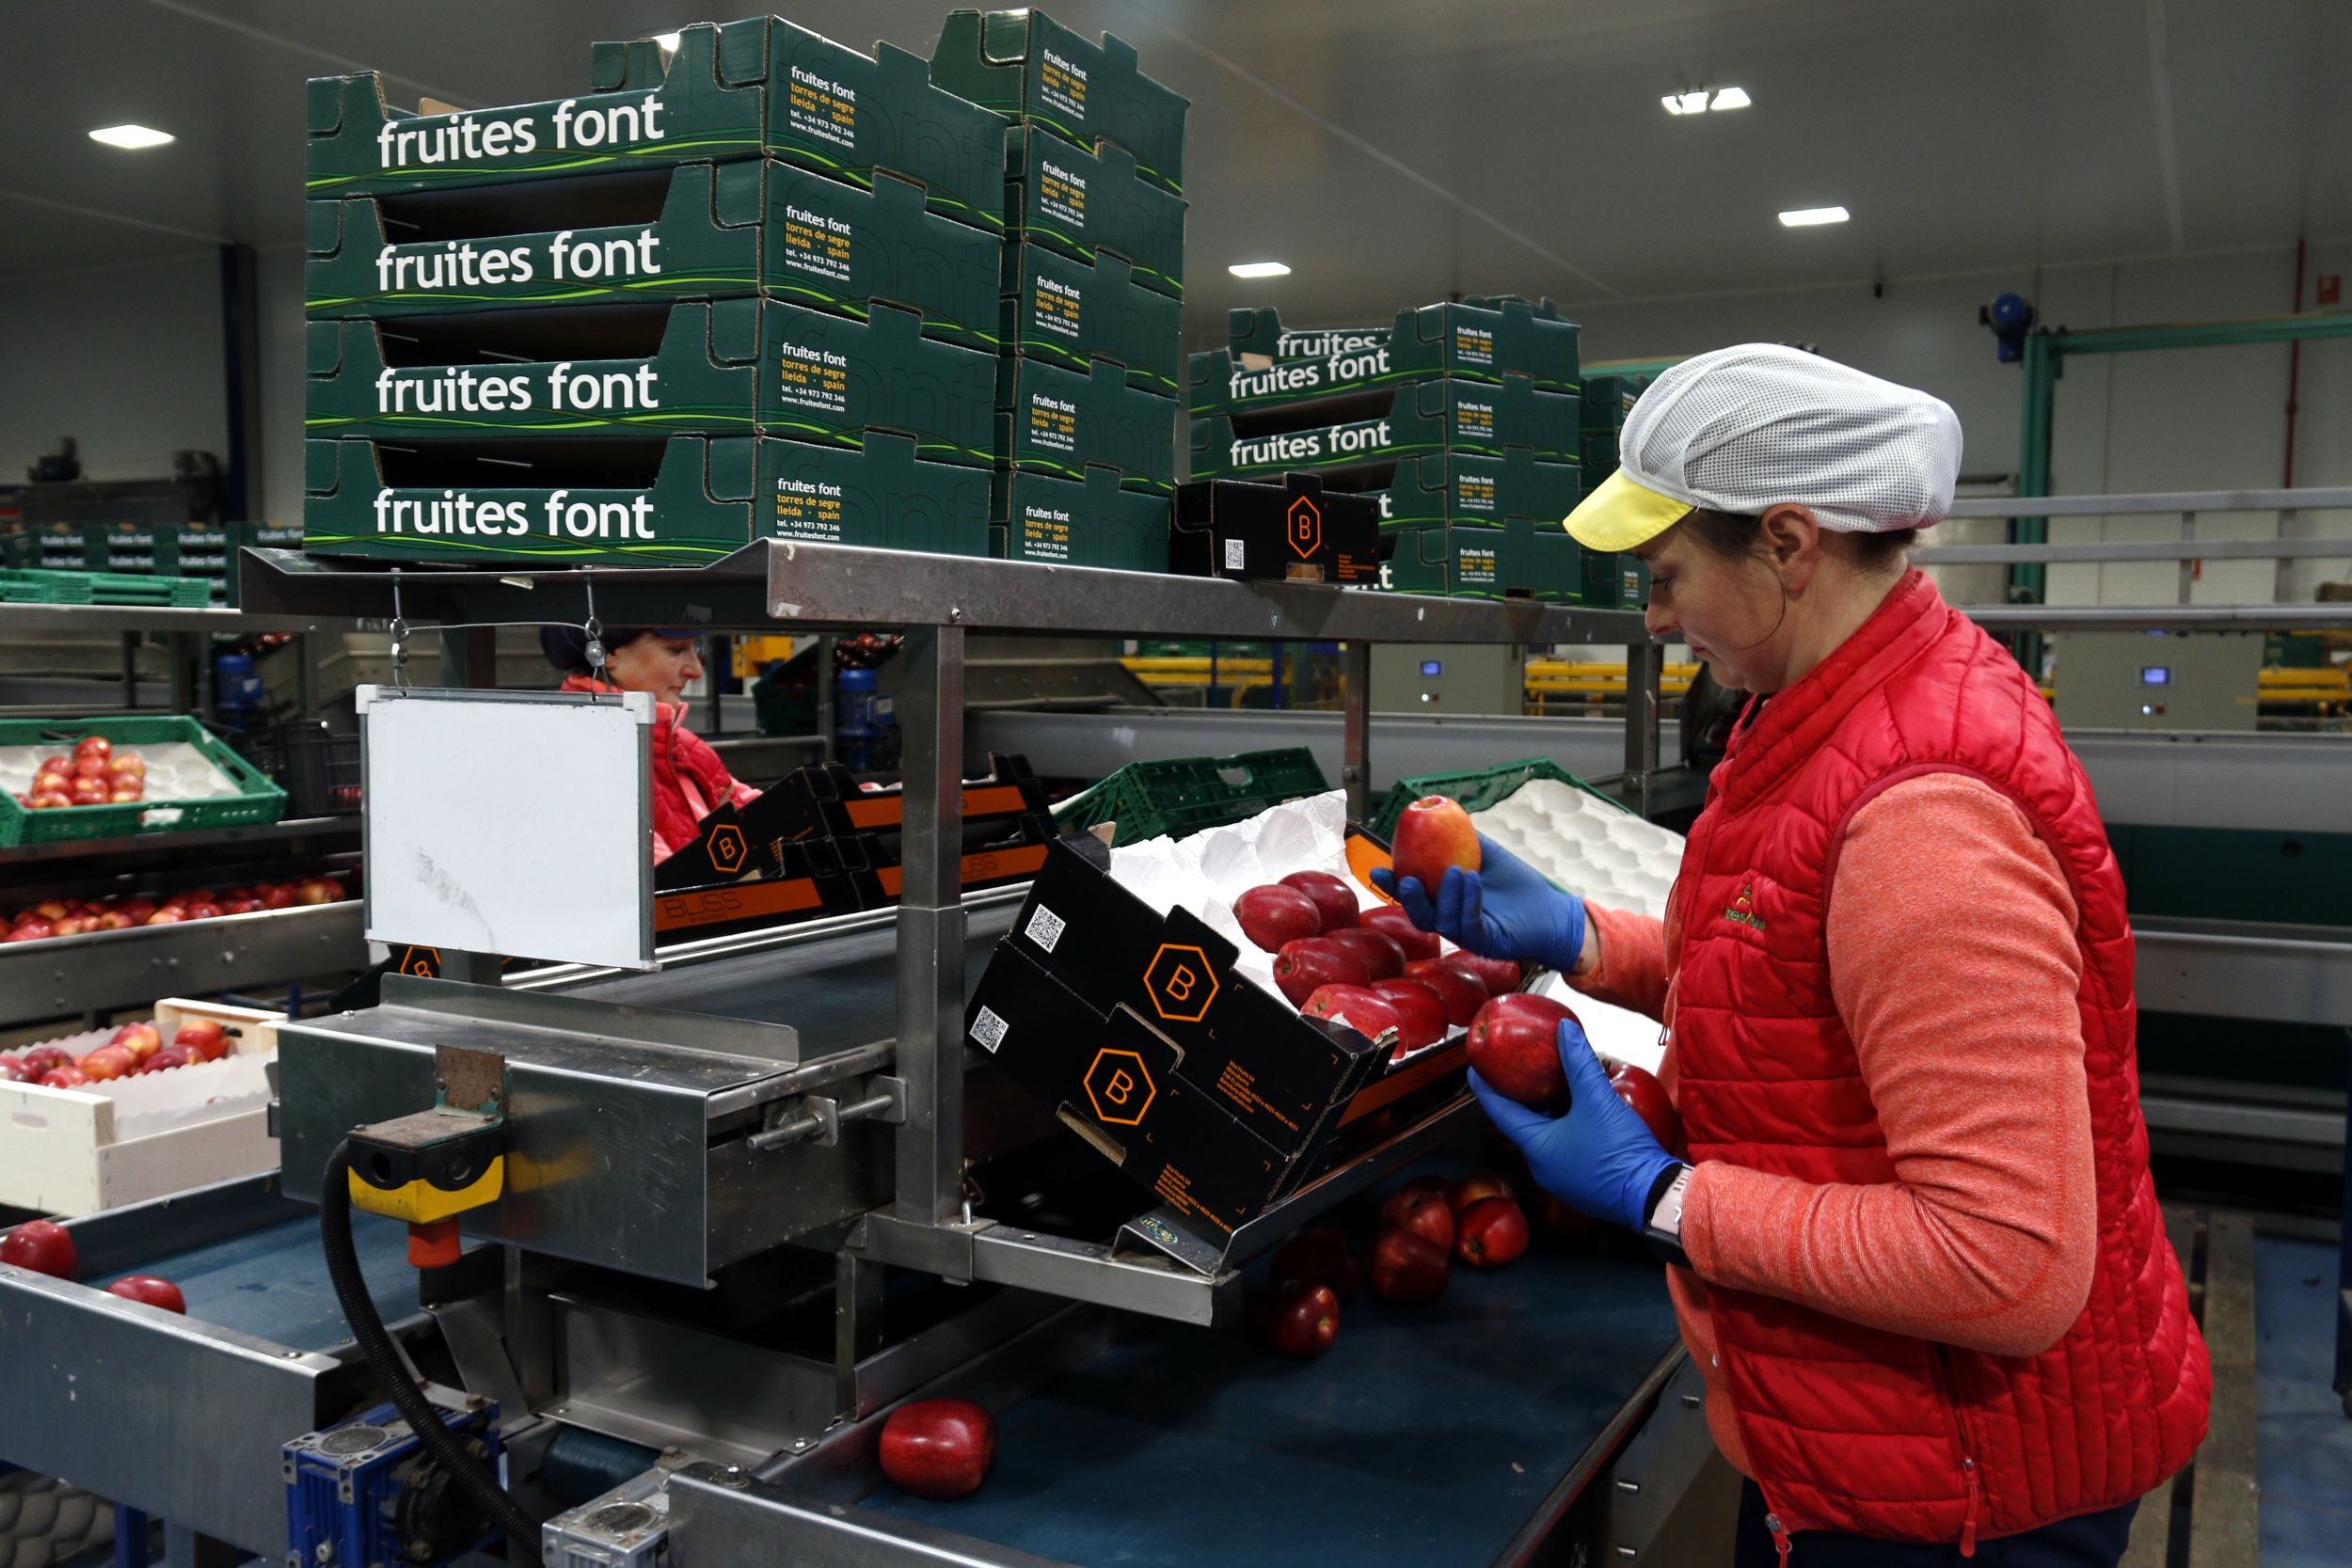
(1855, 1428)
(689, 780)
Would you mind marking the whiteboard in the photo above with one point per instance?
(509, 822)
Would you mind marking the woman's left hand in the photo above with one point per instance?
(1600, 1158)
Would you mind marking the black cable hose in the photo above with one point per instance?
(367, 1328)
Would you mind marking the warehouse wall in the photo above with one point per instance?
(2190, 419)
(125, 359)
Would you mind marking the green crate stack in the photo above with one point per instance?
(256, 801)
(1091, 287)
(1462, 419)
(814, 239)
(1183, 795)
(1479, 788)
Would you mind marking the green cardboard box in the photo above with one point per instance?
(1609, 398)
(1462, 489)
(758, 87)
(714, 231)
(1447, 415)
(1524, 559)
(1059, 194)
(730, 367)
(1026, 64)
(1062, 422)
(1059, 309)
(1421, 345)
(709, 496)
(1091, 522)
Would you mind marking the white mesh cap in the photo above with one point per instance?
(1745, 428)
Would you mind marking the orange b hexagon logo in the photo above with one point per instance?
(1181, 982)
(727, 850)
(1119, 1086)
(1306, 527)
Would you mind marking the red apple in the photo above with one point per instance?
(122, 797)
(1306, 966)
(1421, 1210)
(53, 909)
(141, 1040)
(318, 890)
(66, 1077)
(1434, 835)
(54, 763)
(43, 1247)
(204, 1037)
(53, 799)
(90, 792)
(1335, 899)
(1398, 926)
(199, 911)
(113, 920)
(1420, 1011)
(1319, 1257)
(1359, 1008)
(1271, 916)
(45, 1059)
(90, 767)
(1462, 991)
(135, 911)
(107, 1061)
(1409, 1269)
(127, 764)
(145, 1288)
(938, 1448)
(74, 925)
(1515, 1046)
(169, 1057)
(1297, 1317)
(165, 916)
(1381, 956)
(276, 897)
(1501, 977)
(241, 906)
(1647, 1097)
(12, 1070)
(93, 746)
(35, 929)
(52, 782)
(1491, 1232)
(1477, 1185)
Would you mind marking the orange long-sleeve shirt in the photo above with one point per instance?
(1954, 967)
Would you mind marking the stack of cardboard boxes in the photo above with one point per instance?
(1608, 398)
(744, 288)
(1461, 420)
(1092, 287)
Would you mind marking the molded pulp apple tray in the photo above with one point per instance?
(1126, 999)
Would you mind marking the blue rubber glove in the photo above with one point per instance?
(1504, 910)
(1600, 1158)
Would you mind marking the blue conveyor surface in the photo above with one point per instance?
(272, 1282)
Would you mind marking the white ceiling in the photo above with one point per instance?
(1391, 151)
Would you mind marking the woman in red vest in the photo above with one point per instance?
(1915, 1250)
(689, 780)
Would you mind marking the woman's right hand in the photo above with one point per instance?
(1504, 910)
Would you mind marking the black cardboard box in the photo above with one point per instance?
(1292, 530)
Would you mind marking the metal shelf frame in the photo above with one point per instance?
(97, 970)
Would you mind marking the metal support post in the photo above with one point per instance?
(187, 691)
(2028, 580)
(1356, 725)
(2343, 1265)
(931, 925)
(717, 659)
(1645, 669)
(2188, 567)
(130, 669)
(2282, 581)
(825, 713)
(857, 1324)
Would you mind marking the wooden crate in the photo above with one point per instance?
(59, 1154)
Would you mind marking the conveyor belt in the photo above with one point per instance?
(841, 992)
(272, 1282)
(1423, 1436)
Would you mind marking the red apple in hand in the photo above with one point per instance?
(1434, 835)
(1462, 991)
(203, 1039)
(1419, 1012)
(1408, 1269)
(1515, 1046)
(1395, 925)
(1501, 977)
(145, 1288)
(1306, 966)
(1421, 1210)
(1362, 1010)
(1382, 956)
(1299, 1318)
(43, 1247)
(1334, 900)
(1318, 1256)
(1272, 916)
(938, 1448)
(1478, 1184)
(1490, 1233)
(1647, 1098)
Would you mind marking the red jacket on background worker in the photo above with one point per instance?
(1921, 1264)
(689, 780)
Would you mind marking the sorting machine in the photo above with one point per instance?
(688, 1235)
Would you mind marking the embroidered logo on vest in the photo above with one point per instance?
(1743, 908)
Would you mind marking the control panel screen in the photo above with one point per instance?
(2155, 675)
(1430, 667)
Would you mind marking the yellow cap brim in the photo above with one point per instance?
(1621, 514)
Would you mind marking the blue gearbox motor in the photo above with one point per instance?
(366, 1495)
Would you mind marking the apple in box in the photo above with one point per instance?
(1382, 956)
(1362, 1010)
(1275, 915)
(202, 1038)
(1419, 1012)
(1334, 900)
(1395, 925)
(1462, 991)
(1307, 965)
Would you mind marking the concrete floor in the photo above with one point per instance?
(2303, 1439)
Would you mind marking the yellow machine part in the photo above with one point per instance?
(422, 1203)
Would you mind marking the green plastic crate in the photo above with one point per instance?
(106, 588)
(1185, 795)
(1476, 791)
(258, 801)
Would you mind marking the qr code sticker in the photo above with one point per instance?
(1045, 927)
(1236, 555)
(988, 1030)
